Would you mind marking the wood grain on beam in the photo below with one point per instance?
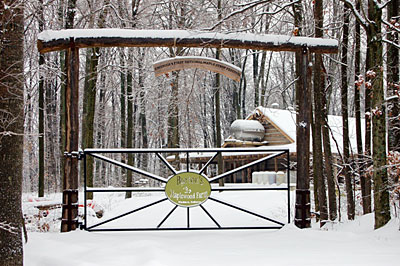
(190, 39)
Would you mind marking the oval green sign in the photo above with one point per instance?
(188, 189)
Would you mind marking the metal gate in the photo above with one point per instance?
(189, 186)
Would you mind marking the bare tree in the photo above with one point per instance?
(373, 27)
(319, 86)
(345, 118)
(11, 130)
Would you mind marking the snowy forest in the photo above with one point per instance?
(122, 104)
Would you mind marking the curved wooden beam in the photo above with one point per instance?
(49, 41)
(206, 63)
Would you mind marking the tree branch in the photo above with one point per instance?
(234, 13)
(363, 21)
(382, 6)
(392, 27)
(280, 9)
(392, 43)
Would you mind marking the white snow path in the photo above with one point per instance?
(343, 245)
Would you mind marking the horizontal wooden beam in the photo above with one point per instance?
(50, 40)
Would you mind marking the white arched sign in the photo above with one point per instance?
(206, 63)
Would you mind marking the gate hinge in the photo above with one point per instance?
(75, 154)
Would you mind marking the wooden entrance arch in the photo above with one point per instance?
(73, 39)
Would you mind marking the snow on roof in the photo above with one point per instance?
(247, 125)
(286, 121)
(58, 35)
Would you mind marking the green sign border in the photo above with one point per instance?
(188, 189)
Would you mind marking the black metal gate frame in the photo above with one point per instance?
(270, 154)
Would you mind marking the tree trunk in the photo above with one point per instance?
(123, 110)
(381, 193)
(332, 203)
(393, 78)
(41, 109)
(345, 118)
(218, 132)
(142, 111)
(318, 120)
(256, 79)
(365, 194)
(89, 104)
(316, 158)
(173, 113)
(12, 121)
(51, 128)
(368, 126)
(129, 140)
(263, 101)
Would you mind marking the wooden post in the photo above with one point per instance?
(70, 184)
(302, 212)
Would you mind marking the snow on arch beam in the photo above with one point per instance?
(50, 40)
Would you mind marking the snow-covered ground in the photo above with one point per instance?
(345, 243)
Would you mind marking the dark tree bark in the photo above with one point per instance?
(218, 106)
(51, 147)
(380, 177)
(89, 104)
(318, 119)
(11, 121)
(368, 127)
(63, 73)
(364, 178)
(173, 113)
(256, 78)
(345, 118)
(393, 78)
(142, 110)
(131, 106)
(130, 129)
(41, 109)
(217, 103)
(316, 156)
(178, 13)
(264, 82)
(123, 102)
(332, 203)
(376, 110)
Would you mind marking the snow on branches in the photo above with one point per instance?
(8, 227)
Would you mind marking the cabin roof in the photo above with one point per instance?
(284, 122)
